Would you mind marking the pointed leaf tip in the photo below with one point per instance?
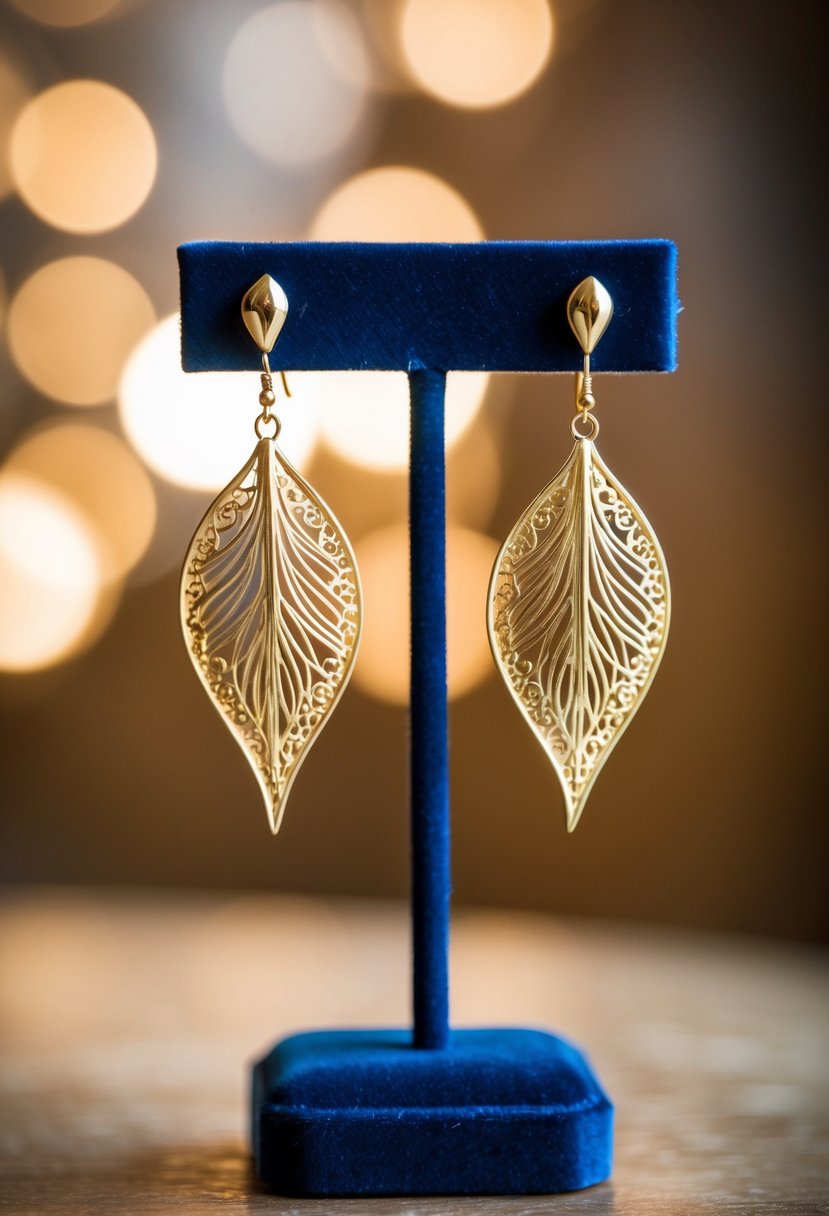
(578, 614)
(270, 606)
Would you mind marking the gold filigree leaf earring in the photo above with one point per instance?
(579, 600)
(270, 594)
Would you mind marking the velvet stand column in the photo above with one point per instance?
(429, 759)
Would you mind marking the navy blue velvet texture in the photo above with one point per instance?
(429, 756)
(493, 306)
(504, 1111)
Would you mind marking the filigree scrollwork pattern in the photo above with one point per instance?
(578, 615)
(270, 607)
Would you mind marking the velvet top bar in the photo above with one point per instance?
(495, 306)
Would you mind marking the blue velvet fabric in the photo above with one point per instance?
(429, 755)
(493, 306)
(501, 1111)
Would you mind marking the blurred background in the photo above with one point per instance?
(129, 127)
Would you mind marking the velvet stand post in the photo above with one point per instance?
(429, 1110)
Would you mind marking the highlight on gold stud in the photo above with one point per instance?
(589, 311)
(579, 600)
(270, 595)
(264, 310)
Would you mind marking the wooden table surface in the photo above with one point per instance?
(128, 1021)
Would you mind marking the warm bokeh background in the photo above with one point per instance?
(129, 127)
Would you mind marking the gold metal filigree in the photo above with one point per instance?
(270, 607)
(270, 595)
(579, 600)
(579, 605)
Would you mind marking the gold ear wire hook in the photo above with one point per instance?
(264, 309)
(589, 311)
(267, 381)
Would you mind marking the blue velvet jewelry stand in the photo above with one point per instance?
(429, 1111)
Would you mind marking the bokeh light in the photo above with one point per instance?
(83, 156)
(295, 80)
(382, 668)
(65, 13)
(14, 94)
(196, 430)
(369, 498)
(396, 203)
(72, 325)
(473, 476)
(97, 473)
(381, 21)
(476, 53)
(364, 416)
(51, 943)
(49, 575)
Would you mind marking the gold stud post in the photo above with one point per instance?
(264, 309)
(589, 311)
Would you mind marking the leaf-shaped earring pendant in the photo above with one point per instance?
(579, 599)
(270, 595)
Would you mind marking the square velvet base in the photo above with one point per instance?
(362, 1112)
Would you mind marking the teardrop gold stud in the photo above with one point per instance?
(264, 309)
(589, 311)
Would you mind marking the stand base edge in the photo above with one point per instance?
(501, 1111)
